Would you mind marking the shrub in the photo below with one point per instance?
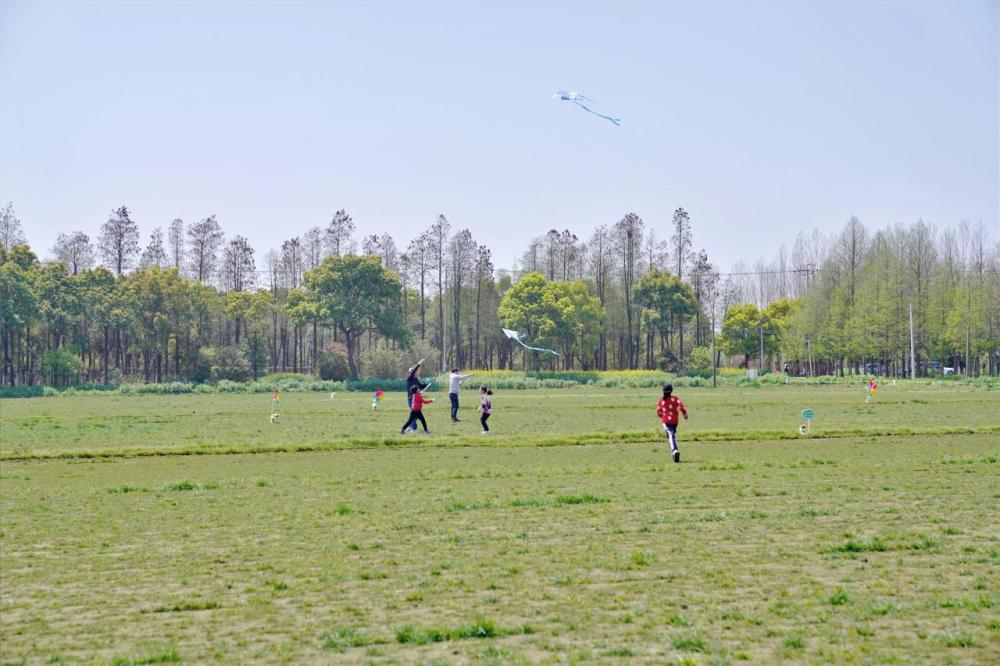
(700, 364)
(383, 362)
(201, 368)
(62, 365)
(229, 363)
(332, 363)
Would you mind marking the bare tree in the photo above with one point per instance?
(291, 262)
(154, 254)
(654, 251)
(175, 238)
(312, 248)
(600, 269)
(74, 251)
(119, 240)
(419, 253)
(530, 262)
(11, 232)
(567, 253)
(339, 234)
(437, 237)
(702, 275)
(462, 254)
(204, 241)
(628, 238)
(239, 270)
(681, 240)
(483, 273)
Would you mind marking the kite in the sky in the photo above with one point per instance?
(579, 99)
(514, 335)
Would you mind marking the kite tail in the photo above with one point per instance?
(616, 121)
(539, 349)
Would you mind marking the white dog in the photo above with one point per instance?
(274, 418)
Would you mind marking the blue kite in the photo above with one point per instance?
(579, 99)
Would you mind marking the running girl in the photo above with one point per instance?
(417, 402)
(667, 409)
(485, 406)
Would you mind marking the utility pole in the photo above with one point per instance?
(913, 360)
(810, 350)
(714, 384)
(761, 370)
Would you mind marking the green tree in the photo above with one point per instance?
(741, 332)
(666, 301)
(358, 294)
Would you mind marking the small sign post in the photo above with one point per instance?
(808, 414)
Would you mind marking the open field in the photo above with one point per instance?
(454, 548)
(87, 425)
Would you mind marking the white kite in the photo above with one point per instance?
(514, 335)
(579, 99)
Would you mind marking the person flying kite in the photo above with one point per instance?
(514, 335)
(579, 99)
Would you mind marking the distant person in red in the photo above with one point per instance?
(668, 409)
(417, 402)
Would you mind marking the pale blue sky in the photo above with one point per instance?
(760, 118)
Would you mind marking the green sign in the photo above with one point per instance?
(808, 414)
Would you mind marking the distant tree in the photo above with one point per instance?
(703, 280)
(681, 240)
(358, 294)
(437, 238)
(175, 239)
(74, 251)
(419, 253)
(742, 328)
(291, 262)
(238, 266)
(462, 255)
(483, 274)
(628, 238)
(556, 313)
(531, 261)
(668, 300)
(11, 232)
(204, 242)
(312, 248)
(383, 247)
(339, 233)
(600, 272)
(119, 241)
(154, 254)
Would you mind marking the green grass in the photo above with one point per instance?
(566, 539)
(110, 425)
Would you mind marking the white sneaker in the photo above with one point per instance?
(485, 432)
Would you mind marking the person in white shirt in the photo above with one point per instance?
(455, 382)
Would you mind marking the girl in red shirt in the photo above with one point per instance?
(417, 402)
(667, 409)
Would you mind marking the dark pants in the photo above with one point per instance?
(412, 421)
(409, 403)
(671, 430)
(454, 405)
(483, 419)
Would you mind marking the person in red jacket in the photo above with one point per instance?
(417, 402)
(668, 409)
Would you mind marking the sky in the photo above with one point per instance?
(761, 118)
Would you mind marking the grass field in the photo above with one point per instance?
(566, 536)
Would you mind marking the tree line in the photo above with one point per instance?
(191, 304)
